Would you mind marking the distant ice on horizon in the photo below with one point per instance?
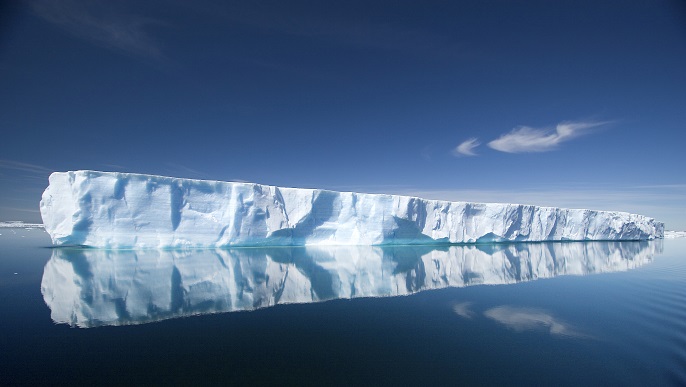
(20, 224)
(674, 234)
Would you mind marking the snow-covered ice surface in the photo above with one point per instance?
(674, 234)
(124, 210)
(93, 287)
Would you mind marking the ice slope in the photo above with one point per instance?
(122, 210)
(92, 287)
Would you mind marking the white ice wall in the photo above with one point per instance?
(120, 210)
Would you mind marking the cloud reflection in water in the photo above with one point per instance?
(462, 310)
(527, 319)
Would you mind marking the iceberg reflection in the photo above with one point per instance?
(90, 287)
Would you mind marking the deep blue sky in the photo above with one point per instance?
(368, 96)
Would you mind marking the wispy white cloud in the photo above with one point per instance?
(21, 209)
(526, 139)
(178, 169)
(525, 319)
(23, 167)
(426, 152)
(114, 167)
(663, 186)
(466, 148)
(327, 26)
(103, 24)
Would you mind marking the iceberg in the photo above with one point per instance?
(94, 287)
(127, 210)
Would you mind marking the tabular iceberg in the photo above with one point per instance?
(126, 210)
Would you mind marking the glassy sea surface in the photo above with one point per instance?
(576, 313)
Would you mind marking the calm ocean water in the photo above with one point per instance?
(597, 313)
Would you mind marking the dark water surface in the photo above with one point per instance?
(597, 313)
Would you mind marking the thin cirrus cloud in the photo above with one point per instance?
(23, 167)
(103, 24)
(525, 139)
(466, 148)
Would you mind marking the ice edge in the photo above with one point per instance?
(128, 210)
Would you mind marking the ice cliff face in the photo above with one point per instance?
(93, 287)
(120, 210)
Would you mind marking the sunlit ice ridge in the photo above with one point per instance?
(128, 210)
